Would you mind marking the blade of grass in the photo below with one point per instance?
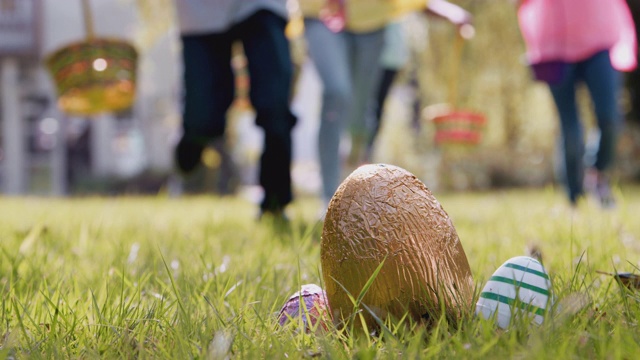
(173, 286)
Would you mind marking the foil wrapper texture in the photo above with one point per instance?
(385, 213)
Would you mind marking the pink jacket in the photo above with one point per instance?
(574, 30)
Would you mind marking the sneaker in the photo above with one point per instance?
(604, 194)
(188, 155)
(597, 183)
(591, 180)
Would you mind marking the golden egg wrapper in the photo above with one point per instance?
(383, 213)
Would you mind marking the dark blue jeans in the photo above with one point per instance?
(209, 91)
(603, 82)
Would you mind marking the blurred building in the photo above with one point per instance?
(45, 151)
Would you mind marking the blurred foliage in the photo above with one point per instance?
(519, 146)
(492, 80)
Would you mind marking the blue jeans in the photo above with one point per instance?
(210, 90)
(603, 82)
(348, 66)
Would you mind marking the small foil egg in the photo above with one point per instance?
(519, 287)
(309, 305)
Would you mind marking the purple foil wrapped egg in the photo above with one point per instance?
(308, 305)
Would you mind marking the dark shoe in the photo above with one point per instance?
(575, 199)
(188, 155)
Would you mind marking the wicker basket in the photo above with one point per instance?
(455, 126)
(459, 127)
(95, 75)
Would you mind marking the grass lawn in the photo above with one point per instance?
(199, 277)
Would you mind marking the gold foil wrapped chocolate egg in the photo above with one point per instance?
(383, 213)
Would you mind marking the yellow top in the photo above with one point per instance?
(365, 15)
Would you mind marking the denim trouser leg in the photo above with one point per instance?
(209, 91)
(564, 95)
(329, 53)
(600, 78)
(346, 91)
(270, 76)
(366, 70)
(387, 78)
(208, 85)
(604, 83)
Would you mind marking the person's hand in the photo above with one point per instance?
(458, 16)
(462, 19)
(467, 31)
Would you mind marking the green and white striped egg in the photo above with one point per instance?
(519, 286)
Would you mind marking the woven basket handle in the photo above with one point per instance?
(455, 72)
(88, 19)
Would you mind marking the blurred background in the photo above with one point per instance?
(47, 151)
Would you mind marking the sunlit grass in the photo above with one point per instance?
(199, 277)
